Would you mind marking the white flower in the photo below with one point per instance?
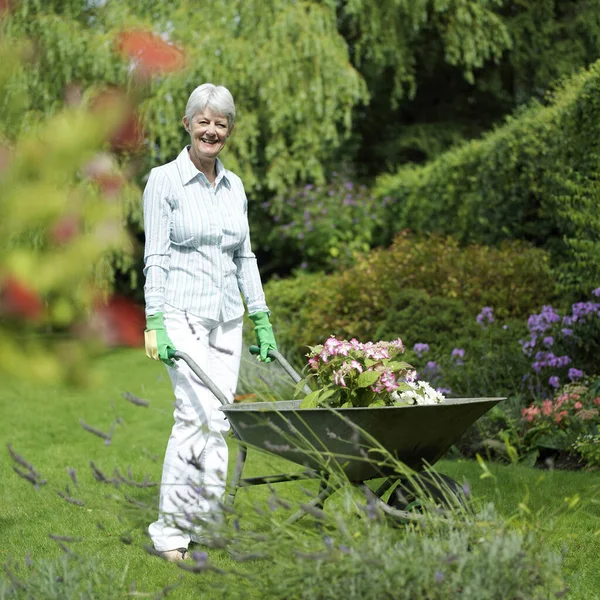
(421, 393)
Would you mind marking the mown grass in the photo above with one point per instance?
(42, 424)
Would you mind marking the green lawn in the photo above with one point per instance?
(43, 425)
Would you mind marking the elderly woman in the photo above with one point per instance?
(198, 259)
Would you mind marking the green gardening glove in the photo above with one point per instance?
(156, 339)
(264, 335)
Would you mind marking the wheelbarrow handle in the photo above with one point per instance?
(204, 378)
(276, 355)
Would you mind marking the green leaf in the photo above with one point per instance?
(367, 378)
(399, 366)
(298, 387)
(310, 400)
(405, 387)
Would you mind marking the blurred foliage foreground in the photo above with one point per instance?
(64, 185)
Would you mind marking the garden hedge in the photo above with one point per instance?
(534, 178)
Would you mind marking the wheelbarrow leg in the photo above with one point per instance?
(317, 502)
(234, 484)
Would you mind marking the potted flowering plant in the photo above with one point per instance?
(351, 373)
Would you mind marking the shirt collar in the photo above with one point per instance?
(188, 171)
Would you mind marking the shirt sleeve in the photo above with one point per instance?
(248, 275)
(157, 250)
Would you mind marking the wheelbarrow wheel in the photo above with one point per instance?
(414, 492)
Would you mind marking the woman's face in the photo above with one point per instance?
(208, 134)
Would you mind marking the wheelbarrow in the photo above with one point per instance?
(354, 444)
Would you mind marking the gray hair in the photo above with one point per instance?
(215, 97)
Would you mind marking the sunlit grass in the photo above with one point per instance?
(42, 424)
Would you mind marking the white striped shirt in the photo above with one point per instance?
(197, 255)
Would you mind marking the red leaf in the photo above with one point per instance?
(110, 184)
(129, 134)
(4, 7)
(19, 300)
(120, 322)
(65, 229)
(152, 54)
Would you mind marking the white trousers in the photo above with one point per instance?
(195, 466)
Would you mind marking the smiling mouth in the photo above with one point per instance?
(208, 141)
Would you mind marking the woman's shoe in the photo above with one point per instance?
(174, 555)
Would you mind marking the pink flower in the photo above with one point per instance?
(560, 416)
(388, 380)
(398, 344)
(314, 362)
(530, 413)
(578, 406)
(356, 365)
(547, 407)
(561, 400)
(597, 401)
(338, 378)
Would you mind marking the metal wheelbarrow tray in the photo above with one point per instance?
(358, 443)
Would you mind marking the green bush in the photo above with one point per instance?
(534, 178)
(555, 425)
(420, 289)
(588, 448)
(322, 227)
(481, 360)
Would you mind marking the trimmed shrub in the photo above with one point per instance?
(535, 178)
(420, 289)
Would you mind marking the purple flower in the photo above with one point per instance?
(566, 332)
(548, 341)
(308, 187)
(458, 354)
(419, 349)
(554, 381)
(443, 390)
(575, 374)
(485, 315)
(431, 365)
(348, 185)
(596, 292)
